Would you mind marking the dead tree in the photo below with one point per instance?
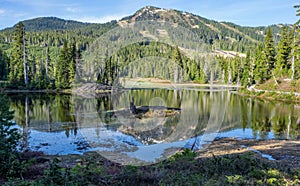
(132, 106)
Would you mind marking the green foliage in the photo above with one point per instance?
(261, 69)
(234, 169)
(295, 55)
(178, 65)
(55, 175)
(232, 69)
(16, 68)
(247, 79)
(269, 50)
(151, 59)
(10, 164)
(4, 65)
(283, 64)
(46, 54)
(66, 66)
(186, 154)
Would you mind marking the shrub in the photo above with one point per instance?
(9, 141)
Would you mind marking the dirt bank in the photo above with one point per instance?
(285, 152)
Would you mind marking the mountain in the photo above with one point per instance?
(52, 39)
(50, 23)
(220, 35)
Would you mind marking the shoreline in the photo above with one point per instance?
(226, 161)
(282, 151)
(146, 83)
(290, 97)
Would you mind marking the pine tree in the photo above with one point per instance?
(9, 140)
(18, 64)
(283, 52)
(62, 74)
(269, 51)
(47, 65)
(72, 63)
(261, 68)
(77, 64)
(224, 68)
(246, 76)
(295, 53)
(177, 60)
(3, 65)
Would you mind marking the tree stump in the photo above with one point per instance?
(132, 106)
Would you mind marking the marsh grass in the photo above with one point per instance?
(183, 168)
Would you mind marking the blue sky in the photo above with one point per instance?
(243, 12)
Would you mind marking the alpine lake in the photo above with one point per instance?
(175, 117)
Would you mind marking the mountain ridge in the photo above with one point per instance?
(29, 22)
(218, 34)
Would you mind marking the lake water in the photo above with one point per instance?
(69, 124)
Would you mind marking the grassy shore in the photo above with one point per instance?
(281, 90)
(224, 162)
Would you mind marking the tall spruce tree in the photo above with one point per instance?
(66, 66)
(18, 64)
(269, 51)
(62, 74)
(4, 62)
(9, 140)
(177, 60)
(246, 76)
(72, 63)
(283, 52)
(295, 54)
(261, 68)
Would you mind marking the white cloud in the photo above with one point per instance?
(71, 9)
(103, 19)
(18, 14)
(2, 12)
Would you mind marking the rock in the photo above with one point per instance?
(298, 121)
(42, 159)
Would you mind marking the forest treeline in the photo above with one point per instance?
(46, 55)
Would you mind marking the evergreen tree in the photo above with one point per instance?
(283, 52)
(236, 69)
(66, 66)
(9, 140)
(261, 68)
(72, 63)
(18, 64)
(295, 54)
(246, 76)
(3, 65)
(224, 68)
(177, 60)
(269, 51)
(62, 74)
(47, 65)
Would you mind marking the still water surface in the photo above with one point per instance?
(69, 124)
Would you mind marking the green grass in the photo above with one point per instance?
(181, 169)
(289, 97)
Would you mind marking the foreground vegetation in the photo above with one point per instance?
(181, 169)
(184, 168)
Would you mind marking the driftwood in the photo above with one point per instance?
(144, 111)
